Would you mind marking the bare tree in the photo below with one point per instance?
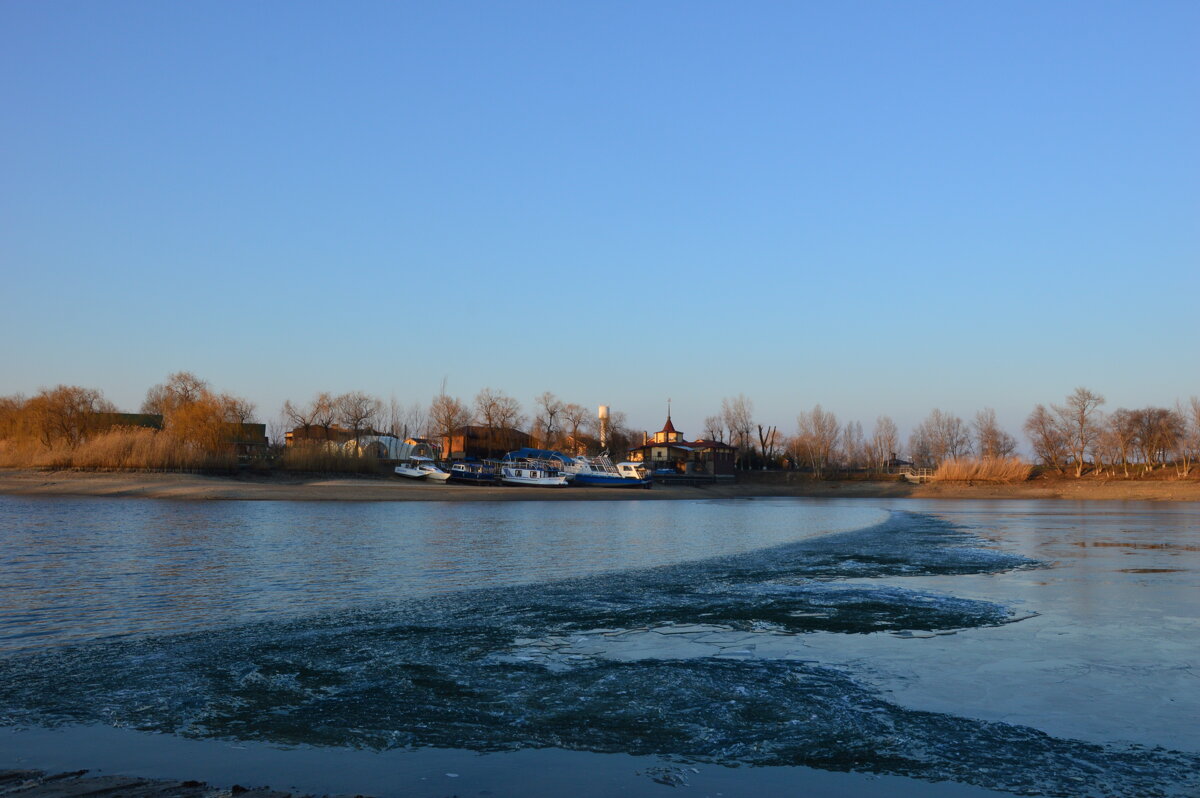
(1079, 420)
(941, 436)
(547, 420)
(714, 428)
(854, 445)
(990, 440)
(1120, 433)
(447, 415)
(574, 417)
(499, 414)
(237, 410)
(885, 441)
(768, 439)
(1190, 445)
(1049, 439)
(358, 412)
(738, 415)
(1158, 432)
(817, 439)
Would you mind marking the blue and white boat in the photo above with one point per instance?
(473, 472)
(599, 472)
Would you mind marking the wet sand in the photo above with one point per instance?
(383, 488)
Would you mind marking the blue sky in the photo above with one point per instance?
(880, 207)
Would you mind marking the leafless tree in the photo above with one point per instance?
(885, 441)
(990, 440)
(447, 415)
(817, 439)
(499, 413)
(854, 445)
(941, 436)
(237, 410)
(1120, 435)
(714, 428)
(738, 415)
(303, 417)
(1049, 439)
(1190, 444)
(546, 423)
(1079, 420)
(768, 440)
(358, 412)
(574, 418)
(1158, 432)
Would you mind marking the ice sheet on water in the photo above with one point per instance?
(449, 672)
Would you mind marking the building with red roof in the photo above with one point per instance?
(668, 451)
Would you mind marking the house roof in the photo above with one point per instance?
(668, 427)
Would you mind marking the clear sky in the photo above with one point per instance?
(882, 207)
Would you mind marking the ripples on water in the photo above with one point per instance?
(79, 569)
(669, 656)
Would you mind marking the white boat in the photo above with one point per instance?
(518, 470)
(422, 468)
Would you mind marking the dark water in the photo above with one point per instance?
(1034, 648)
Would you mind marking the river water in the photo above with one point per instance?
(875, 647)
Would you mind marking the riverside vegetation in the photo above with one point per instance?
(196, 428)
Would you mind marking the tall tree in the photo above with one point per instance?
(448, 415)
(714, 428)
(574, 418)
(1050, 440)
(1080, 420)
(817, 439)
(358, 412)
(990, 440)
(941, 436)
(499, 414)
(738, 414)
(65, 413)
(885, 441)
(550, 408)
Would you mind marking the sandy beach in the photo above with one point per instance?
(353, 488)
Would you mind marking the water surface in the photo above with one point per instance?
(1033, 647)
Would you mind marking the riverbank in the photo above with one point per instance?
(291, 487)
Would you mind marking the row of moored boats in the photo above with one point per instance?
(539, 467)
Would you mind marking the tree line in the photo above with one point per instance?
(199, 424)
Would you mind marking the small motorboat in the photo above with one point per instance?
(422, 468)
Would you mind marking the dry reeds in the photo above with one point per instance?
(984, 469)
(119, 449)
(319, 457)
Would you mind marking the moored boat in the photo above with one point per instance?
(475, 473)
(421, 468)
(599, 472)
(527, 467)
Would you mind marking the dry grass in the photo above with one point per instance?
(326, 459)
(121, 449)
(987, 469)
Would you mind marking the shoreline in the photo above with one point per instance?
(315, 487)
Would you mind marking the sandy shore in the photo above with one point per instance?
(330, 488)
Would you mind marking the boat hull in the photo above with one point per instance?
(609, 481)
